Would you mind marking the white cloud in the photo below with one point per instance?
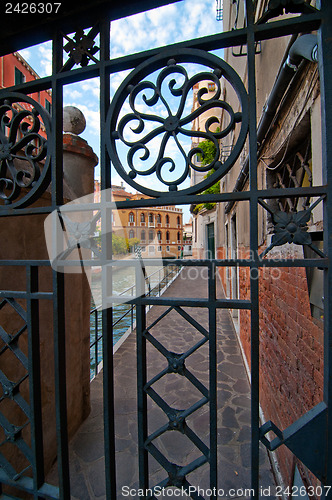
(91, 86)
(26, 54)
(45, 53)
(163, 26)
(72, 94)
(116, 80)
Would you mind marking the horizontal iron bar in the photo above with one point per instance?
(284, 27)
(284, 193)
(308, 22)
(25, 263)
(188, 302)
(222, 197)
(10, 294)
(204, 263)
(45, 83)
(225, 39)
(173, 200)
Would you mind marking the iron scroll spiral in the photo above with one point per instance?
(168, 125)
(25, 130)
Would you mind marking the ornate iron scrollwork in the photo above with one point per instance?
(135, 131)
(24, 151)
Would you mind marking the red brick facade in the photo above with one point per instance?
(291, 349)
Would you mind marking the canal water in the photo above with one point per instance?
(123, 314)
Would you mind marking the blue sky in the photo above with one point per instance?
(173, 23)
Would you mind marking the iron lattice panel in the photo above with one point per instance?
(12, 391)
(176, 364)
(21, 447)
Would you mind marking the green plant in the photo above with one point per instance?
(120, 245)
(209, 151)
(131, 242)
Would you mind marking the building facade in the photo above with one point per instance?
(291, 326)
(188, 238)
(14, 70)
(291, 298)
(158, 231)
(204, 216)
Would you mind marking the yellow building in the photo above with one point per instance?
(158, 229)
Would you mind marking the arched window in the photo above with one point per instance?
(159, 235)
(143, 236)
(151, 235)
(131, 234)
(142, 217)
(167, 235)
(158, 219)
(178, 220)
(179, 235)
(167, 219)
(150, 218)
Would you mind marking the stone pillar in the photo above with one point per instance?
(78, 157)
(22, 238)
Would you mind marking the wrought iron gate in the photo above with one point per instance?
(21, 189)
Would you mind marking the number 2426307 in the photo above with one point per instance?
(32, 8)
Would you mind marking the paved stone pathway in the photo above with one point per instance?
(233, 439)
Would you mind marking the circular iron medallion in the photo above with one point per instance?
(163, 110)
(25, 128)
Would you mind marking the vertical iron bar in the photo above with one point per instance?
(107, 313)
(141, 382)
(254, 269)
(37, 445)
(58, 279)
(61, 384)
(96, 342)
(132, 311)
(325, 74)
(213, 375)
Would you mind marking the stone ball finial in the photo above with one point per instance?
(73, 120)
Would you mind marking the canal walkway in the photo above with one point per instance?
(233, 439)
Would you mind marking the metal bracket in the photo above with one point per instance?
(306, 438)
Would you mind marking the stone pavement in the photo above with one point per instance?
(233, 439)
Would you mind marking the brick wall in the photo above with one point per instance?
(291, 350)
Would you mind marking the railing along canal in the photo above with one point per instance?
(125, 313)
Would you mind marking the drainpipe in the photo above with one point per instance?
(304, 47)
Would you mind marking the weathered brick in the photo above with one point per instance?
(290, 349)
(319, 381)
